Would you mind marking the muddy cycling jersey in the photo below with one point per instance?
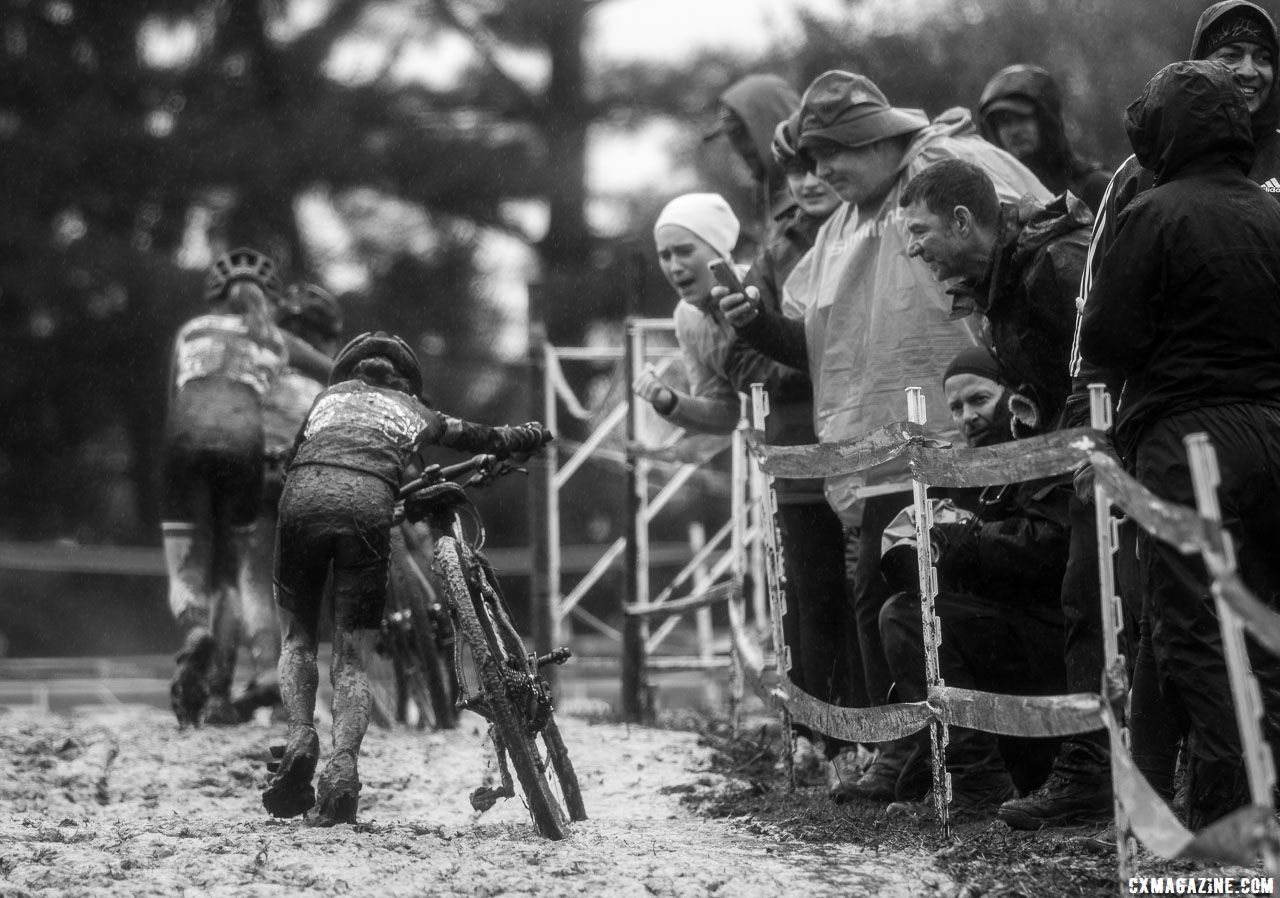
(364, 428)
(285, 409)
(223, 346)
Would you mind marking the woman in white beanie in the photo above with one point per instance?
(691, 231)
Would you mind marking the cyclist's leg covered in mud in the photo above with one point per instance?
(360, 575)
(305, 540)
(328, 515)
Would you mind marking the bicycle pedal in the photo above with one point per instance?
(484, 798)
(559, 656)
(476, 704)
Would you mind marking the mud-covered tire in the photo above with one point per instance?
(437, 685)
(521, 745)
(422, 677)
(558, 755)
(383, 685)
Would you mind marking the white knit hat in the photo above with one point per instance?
(708, 216)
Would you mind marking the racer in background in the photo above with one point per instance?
(313, 315)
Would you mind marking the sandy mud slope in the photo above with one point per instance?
(120, 802)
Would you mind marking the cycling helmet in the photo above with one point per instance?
(783, 146)
(242, 264)
(314, 307)
(378, 343)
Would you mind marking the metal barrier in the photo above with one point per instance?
(730, 552)
(1237, 838)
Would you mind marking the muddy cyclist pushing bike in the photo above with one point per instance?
(337, 511)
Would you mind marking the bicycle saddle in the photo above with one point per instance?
(439, 497)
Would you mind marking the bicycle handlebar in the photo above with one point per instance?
(486, 469)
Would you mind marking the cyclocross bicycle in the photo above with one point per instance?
(497, 677)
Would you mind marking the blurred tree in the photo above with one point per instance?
(139, 136)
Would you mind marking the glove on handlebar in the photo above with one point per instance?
(524, 439)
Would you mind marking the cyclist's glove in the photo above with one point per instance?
(522, 441)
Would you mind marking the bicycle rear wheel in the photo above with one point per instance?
(432, 650)
(509, 721)
(380, 668)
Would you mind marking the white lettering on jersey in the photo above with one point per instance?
(367, 408)
(221, 346)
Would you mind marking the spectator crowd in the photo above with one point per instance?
(977, 256)
(980, 257)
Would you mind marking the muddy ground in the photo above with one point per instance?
(121, 802)
(112, 802)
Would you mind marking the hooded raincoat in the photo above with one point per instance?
(876, 321)
(1186, 304)
(760, 102)
(1187, 300)
(1056, 165)
(1131, 179)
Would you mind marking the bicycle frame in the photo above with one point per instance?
(512, 696)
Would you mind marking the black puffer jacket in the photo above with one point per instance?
(1131, 179)
(1028, 298)
(1186, 302)
(1056, 165)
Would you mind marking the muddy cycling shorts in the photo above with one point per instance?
(333, 517)
(221, 484)
(213, 447)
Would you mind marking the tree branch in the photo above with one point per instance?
(487, 46)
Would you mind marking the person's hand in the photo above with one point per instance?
(534, 435)
(530, 438)
(541, 433)
(649, 387)
(739, 309)
(1082, 482)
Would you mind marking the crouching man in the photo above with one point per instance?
(999, 577)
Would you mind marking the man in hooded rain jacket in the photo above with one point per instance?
(1021, 111)
(1242, 36)
(1185, 305)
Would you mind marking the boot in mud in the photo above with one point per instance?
(256, 695)
(263, 691)
(339, 790)
(218, 710)
(189, 688)
(289, 791)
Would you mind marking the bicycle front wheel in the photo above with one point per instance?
(509, 721)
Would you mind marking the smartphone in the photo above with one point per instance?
(724, 274)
